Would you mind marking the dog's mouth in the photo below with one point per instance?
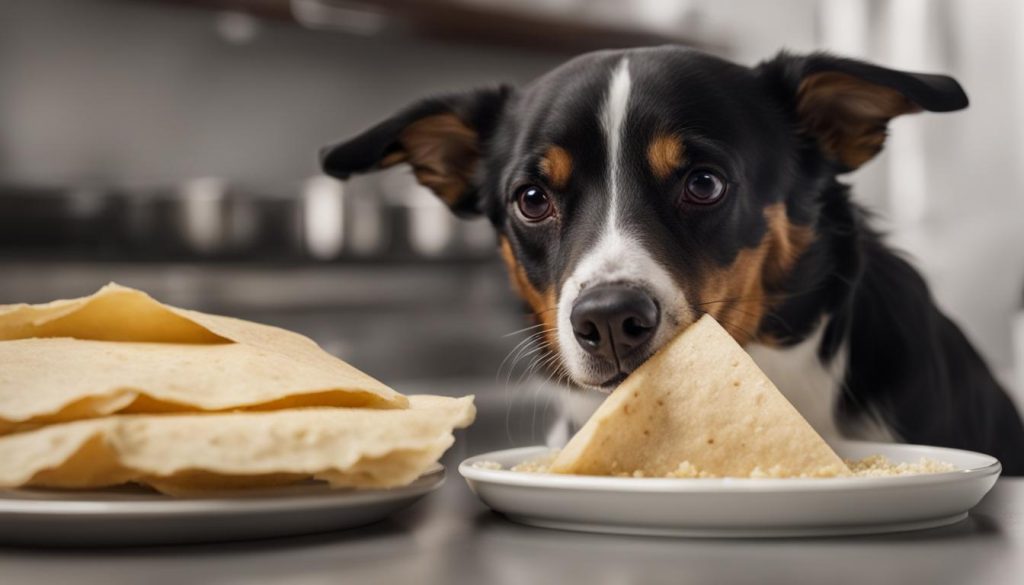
(613, 382)
(605, 382)
(605, 375)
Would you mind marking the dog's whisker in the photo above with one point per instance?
(535, 362)
(519, 347)
(546, 363)
(516, 354)
(539, 362)
(553, 367)
(741, 329)
(535, 343)
(523, 330)
(524, 341)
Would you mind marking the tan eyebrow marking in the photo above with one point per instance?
(665, 154)
(556, 165)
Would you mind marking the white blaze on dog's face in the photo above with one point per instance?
(620, 264)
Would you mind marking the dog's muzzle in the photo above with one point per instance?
(611, 322)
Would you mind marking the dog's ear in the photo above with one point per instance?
(845, 105)
(442, 138)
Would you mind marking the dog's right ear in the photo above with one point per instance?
(442, 138)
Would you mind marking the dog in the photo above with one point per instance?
(635, 190)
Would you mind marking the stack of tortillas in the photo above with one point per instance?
(699, 408)
(117, 387)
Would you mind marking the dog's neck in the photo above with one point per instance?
(821, 285)
(807, 333)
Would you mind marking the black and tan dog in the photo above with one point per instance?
(634, 191)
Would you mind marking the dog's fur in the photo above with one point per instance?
(785, 260)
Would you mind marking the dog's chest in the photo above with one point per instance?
(810, 385)
(814, 387)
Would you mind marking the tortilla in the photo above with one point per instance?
(699, 408)
(114, 313)
(59, 379)
(97, 355)
(348, 447)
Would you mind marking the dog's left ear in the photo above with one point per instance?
(442, 138)
(846, 105)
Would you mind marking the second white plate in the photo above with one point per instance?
(136, 516)
(732, 507)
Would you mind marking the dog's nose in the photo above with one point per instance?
(610, 321)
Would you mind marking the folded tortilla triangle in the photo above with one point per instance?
(699, 408)
(114, 313)
(185, 453)
(119, 350)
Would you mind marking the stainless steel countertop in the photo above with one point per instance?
(451, 538)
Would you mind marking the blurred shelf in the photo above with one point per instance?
(424, 321)
(236, 286)
(512, 24)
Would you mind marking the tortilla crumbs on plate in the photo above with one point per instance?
(871, 466)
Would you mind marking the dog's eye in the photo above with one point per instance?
(703, 187)
(533, 203)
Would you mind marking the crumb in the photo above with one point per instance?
(773, 472)
(494, 465)
(881, 466)
(872, 466)
(687, 470)
(538, 465)
(776, 472)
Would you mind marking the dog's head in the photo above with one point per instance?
(635, 190)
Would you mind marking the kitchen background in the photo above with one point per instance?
(170, 145)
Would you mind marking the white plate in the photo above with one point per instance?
(135, 516)
(732, 507)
